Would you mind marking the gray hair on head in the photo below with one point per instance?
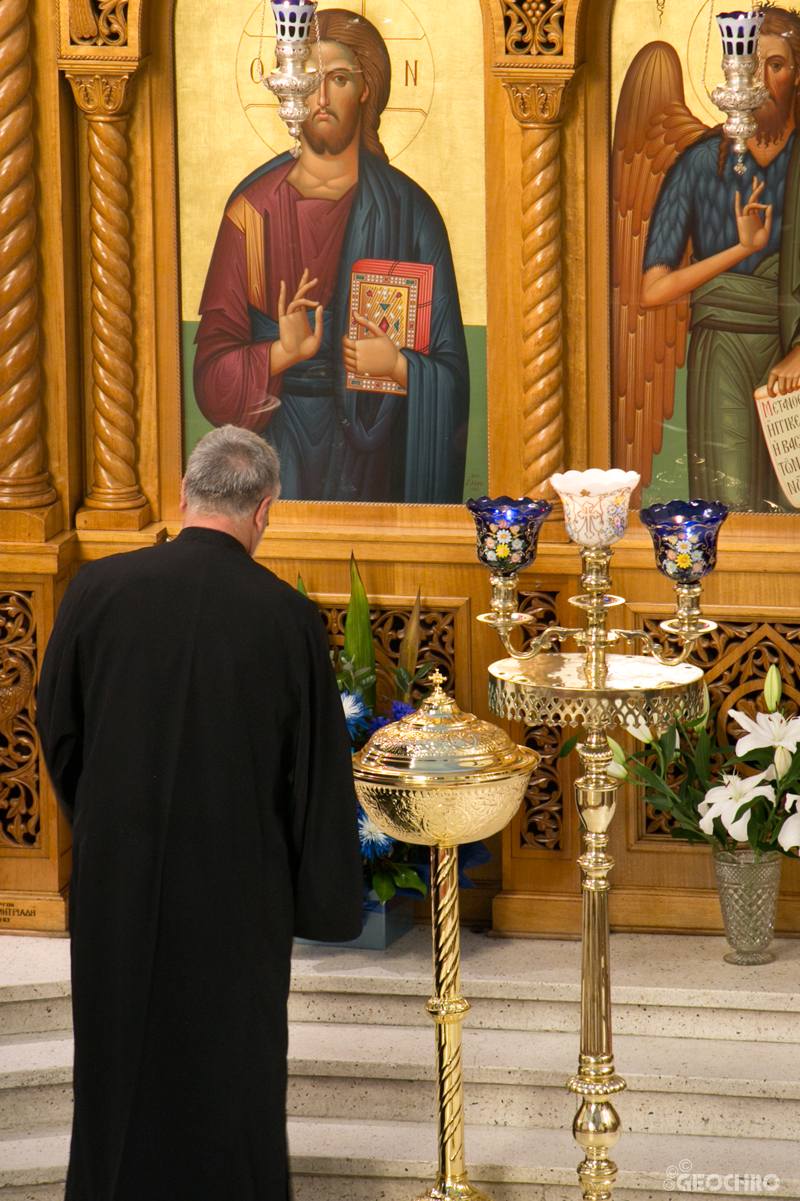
(229, 473)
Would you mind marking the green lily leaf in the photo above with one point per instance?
(409, 653)
(567, 746)
(359, 647)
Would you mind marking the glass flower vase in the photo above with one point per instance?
(748, 896)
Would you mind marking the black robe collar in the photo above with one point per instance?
(201, 533)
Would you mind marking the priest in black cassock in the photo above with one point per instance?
(194, 734)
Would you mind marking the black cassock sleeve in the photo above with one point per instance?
(59, 707)
(329, 890)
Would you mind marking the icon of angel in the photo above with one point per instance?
(705, 271)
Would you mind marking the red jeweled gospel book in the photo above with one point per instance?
(397, 298)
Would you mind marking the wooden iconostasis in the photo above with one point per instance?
(126, 126)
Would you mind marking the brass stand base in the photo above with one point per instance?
(452, 1190)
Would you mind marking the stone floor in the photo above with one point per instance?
(711, 1054)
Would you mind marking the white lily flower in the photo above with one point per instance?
(790, 801)
(726, 800)
(789, 835)
(768, 730)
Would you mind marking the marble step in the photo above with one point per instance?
(361, 1161)
(512, 1078)
(662, 985)
(35, 1081)
(367, 1160)
(677, 1085)
(34, 985)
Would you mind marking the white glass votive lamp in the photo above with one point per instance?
(595, 504)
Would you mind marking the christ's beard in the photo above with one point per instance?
(772, 118)
(330, 137)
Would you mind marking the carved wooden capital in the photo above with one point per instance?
(101, 95)
(538, 101)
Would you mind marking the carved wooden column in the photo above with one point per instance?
(538, 107)
(28, 507)
(535, 70)
(99, 56)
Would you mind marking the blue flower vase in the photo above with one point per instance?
(508, 531)
(383, 924)
(684, 534)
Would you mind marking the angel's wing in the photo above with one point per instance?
(653, 126)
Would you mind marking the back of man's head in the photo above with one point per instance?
(230, 472)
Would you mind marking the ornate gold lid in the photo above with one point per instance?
(440, 741)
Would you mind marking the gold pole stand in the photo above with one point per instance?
(596, 1126)
(447, 1008)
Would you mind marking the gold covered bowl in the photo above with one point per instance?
(440, 776)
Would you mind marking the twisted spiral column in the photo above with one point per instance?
(23, 481)
(103, 100)
(537, 106)
(447, 1008)
(542, 347)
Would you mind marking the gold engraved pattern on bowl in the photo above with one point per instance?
(445, 816)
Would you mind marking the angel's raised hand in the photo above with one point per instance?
(752, 229)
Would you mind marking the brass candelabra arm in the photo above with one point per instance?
(506, 625)
(653, 648)
(504, 618)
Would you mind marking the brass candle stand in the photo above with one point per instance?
(597, 690)
(441, 777)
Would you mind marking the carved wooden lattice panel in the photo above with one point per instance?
(98, 22)
(437, 643)
(736, 658)
(542, 816)
(19, 743)
(534, 27)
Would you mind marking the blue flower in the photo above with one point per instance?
(374, 843)
(399, 710)
(355, 712)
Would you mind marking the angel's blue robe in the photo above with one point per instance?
(743, 322)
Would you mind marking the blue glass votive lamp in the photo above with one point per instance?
(684, 534)
(508, 531)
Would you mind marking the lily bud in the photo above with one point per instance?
(640, 731)
(772, 690)
(616, 751)
(617, 771)
(700, 722)
(783, 761)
